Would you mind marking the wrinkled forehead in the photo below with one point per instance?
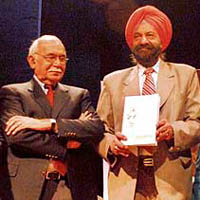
(145, 26)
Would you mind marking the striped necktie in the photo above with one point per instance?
(148, 86)
(148, 89)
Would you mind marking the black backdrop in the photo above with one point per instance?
(93, 32)
(19, 24)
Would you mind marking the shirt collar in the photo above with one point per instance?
(41, 84)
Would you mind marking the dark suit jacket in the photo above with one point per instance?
(5, 185)
(30, 150)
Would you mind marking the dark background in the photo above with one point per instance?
(93, 33)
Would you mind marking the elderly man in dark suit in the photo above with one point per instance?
(47, 125)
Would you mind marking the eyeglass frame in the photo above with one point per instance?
(52, 58)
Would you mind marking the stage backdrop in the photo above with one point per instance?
(93, 33)
(19, 24)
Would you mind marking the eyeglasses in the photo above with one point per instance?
(52, 58)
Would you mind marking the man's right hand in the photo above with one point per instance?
(117, 147)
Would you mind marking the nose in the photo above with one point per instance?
(144, 40)
(57, 61)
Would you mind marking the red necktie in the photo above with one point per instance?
(56, 164)
(148, 86)
(50, 94)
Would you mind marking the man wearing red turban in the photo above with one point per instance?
(144, 172)
(153, 16)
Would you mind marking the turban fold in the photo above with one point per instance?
(153, 16)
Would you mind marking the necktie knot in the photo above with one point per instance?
(149, 71)
(148, 86)
(49, 87)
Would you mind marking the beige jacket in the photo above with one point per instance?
(178, 88)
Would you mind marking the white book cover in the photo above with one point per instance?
(140, 117)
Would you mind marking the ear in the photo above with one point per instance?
(31, 61)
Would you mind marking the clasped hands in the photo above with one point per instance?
(19, 123)
(164, 131)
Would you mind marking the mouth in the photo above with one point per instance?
(144, 49)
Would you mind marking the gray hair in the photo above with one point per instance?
(34, 46)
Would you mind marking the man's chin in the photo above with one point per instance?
(143, 53)
(144, 58)
(55, 78)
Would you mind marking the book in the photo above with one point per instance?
(140, 117)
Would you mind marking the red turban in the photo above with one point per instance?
(153, 16)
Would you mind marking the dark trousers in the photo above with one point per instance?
(56, 190)
(48, 190)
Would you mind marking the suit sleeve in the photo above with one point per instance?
(187, 130)
(84, 131)
(31, 142)
(3, 148)
(105, 111)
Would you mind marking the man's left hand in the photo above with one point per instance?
(164, 130)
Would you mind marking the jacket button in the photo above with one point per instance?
(174, 149)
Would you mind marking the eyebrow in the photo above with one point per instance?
(52, 54)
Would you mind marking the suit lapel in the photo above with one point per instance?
(131, 84)
(165, 82)
(60, 98)
(40, 97)
(130, 88)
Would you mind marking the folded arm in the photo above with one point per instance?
(21, 128)
(83, 130)
(39, 144)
